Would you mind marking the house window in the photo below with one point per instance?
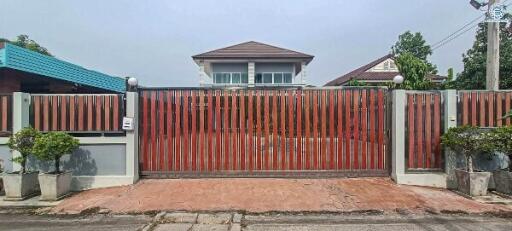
(273, 78)
(230, 78)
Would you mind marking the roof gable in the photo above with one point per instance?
(22, 59)
(355, 73)
(253, 50)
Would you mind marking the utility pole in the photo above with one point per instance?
(492, 74)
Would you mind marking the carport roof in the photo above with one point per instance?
(22, 59)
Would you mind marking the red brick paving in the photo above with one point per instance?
(263, 195)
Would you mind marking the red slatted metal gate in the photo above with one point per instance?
(259, 132)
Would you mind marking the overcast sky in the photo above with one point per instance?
(153, 40)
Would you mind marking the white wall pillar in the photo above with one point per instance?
(450, 120)
(251, 69)
(303, 73)
(132, 137)
(398, 134)
(201, 73)
(20, 118)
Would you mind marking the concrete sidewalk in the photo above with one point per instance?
(266, 195)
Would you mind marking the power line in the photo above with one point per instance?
(456, 34)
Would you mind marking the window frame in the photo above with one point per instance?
(230, 77)
(273, 78)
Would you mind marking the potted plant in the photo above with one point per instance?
(469, 141)
(51, 147)
(21, 184)
(502, 141)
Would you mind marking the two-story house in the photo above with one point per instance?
(252, 64)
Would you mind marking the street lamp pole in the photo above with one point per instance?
(492, 74)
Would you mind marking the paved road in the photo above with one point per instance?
(229, 221)
(22, 222)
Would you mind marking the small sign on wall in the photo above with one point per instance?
(128, 123)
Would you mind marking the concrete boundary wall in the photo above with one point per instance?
(100, 161)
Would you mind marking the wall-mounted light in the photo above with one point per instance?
(398, 79)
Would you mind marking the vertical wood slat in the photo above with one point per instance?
(193, 130)
(81, 108)
(490, 102)
(99, 117)
(37, 112)
(339, 153)
(428, 130)
(364, 131)
(89, 113)
(267, 130)
(323, 129)
(186, 130)
(282, 156)
(291, 143)
(307, 129)
(372, 129)
(161, 130)
(242, 131)
(419, 128)
(202, 151)
(437, 130)
(234, 131)
(115, 107)
(507, 106)
(380, 101)
(499, 113)
(107, 110)
(46, 113)
(482, 97)
(410, 127)
(226, 131)
(348, 130)
(250, 131)
(465, 108)
(299, 130)
(275, 135)
(331, 130)
(258, 154)
(177, 132)
(218, 128)
(153, 162)
(145, 130)
(355, 164)
(170, 138)
(55, 114)
(4, 113)
(315, 129)
(473, 108)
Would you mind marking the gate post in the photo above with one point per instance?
(398, 134)
(20, 118)
(132, 137)
(450, 120)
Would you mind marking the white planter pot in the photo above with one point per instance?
(54, 186)
(20, 186)
(472, 183)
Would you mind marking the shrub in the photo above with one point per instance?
(23, 142)
(54, 145)
(469, 141)
(502, 141)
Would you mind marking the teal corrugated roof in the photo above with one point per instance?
(18, 58)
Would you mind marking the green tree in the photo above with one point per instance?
(473, 75)
(356, 83)
(23, 142)
(416, 45)
(413, 70)
(54, 145)
(25, 42)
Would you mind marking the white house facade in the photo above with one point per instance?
(252, 64)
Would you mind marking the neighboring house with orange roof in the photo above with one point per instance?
(252, 64)
(377, 72)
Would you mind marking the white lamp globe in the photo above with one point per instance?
(133, 82)
(398, 79)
